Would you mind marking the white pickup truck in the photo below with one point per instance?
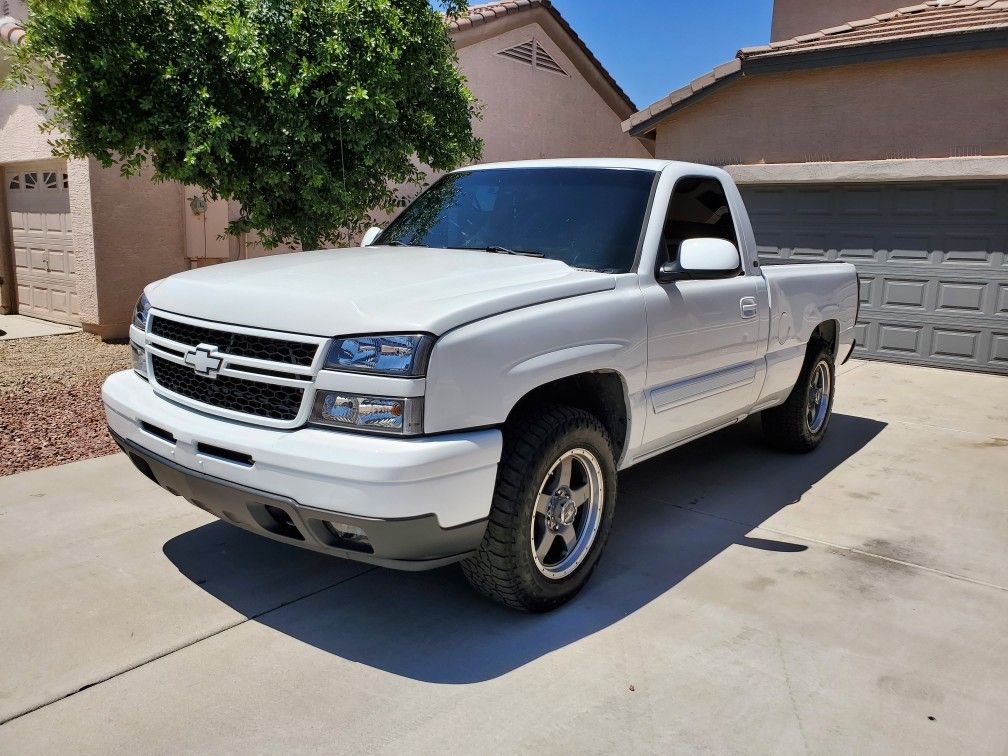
(466, 385)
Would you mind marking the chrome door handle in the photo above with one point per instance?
(748, 307)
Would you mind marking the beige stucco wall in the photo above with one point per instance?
(139, 237)
(536, 113)
(794, 17)
(931, 107)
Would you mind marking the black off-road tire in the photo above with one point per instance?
(504, 568)
(786, 427)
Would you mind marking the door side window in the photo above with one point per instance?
(698, 209)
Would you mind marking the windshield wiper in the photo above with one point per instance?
(505, 251)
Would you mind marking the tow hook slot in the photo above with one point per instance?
(228, 455)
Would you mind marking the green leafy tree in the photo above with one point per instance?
(307, 112)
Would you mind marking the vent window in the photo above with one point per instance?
(534, 55)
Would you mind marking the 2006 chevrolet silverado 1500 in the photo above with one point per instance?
(466, 385)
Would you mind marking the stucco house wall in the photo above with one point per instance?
(531, 113)
(794, 17)
(138, 238)
(872, 111)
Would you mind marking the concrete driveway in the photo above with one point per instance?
(853, 600)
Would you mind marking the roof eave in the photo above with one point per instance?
(749, 63)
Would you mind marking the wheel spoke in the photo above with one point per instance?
(544, 546)
(569, 536)
(566, 469)
(581, 495)
(542, 503)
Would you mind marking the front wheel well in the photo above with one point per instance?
(601, 393)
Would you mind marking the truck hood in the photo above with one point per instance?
(370, 290)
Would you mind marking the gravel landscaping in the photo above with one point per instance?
(50, 400)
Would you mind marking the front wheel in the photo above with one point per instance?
(799, 424)
(552, 510)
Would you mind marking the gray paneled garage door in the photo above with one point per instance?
(932, 259)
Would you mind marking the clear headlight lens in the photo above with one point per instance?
(339, 409)
(143, 306)
(404, 356)
(139, 359)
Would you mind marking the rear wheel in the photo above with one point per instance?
(799, 424)
(552, 510)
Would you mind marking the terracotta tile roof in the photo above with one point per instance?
(489, 12)
(930, 19)
(11, 31)
(935, 18)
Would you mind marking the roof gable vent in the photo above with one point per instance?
(533, 54)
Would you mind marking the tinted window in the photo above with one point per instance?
(586, 217)
(698, 209)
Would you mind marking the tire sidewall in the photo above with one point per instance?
(820, 356)
(550, 591)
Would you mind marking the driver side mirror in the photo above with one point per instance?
(702, 258)
(370, 235)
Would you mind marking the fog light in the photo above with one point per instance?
(390, 415)
(139, 359)
(349, 536)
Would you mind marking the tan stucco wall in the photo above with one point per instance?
(20, 117)
(532, 114)
(138, 238)
(931, 107)
(794, 17)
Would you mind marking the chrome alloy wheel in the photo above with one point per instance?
(817, 407)
(568, 512)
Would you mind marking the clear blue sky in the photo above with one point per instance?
(652, 47)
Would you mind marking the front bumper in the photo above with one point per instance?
(422, 502)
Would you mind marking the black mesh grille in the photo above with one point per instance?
(237, 344)
(236, 394)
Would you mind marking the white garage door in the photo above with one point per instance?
(932, 259)
(38, 201)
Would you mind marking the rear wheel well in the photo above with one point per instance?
(826, 333)
(601, 393)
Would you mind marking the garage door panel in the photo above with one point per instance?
(978, 199)
(999, 349)
(932, 261)
(38, 204)
(961, 297)
(904, 293)
(955, 344)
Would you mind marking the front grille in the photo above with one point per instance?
(251, 397)
(237, 344)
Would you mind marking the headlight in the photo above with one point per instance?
(140, 313)
(339, 409)
(403, 356)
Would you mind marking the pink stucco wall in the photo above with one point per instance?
(138, 238)
(794, 17)
(537, 113)
(929, 107)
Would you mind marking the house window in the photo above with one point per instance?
(66, 182)
(15, 181)
(49, 178)
(30, 181)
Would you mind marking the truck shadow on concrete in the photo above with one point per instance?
(676, 513)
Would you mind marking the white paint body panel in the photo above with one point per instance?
(692, 356)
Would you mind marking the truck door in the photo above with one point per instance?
(703, 345)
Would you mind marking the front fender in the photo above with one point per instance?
(479, 372)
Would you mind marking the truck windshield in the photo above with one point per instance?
(587, 217)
